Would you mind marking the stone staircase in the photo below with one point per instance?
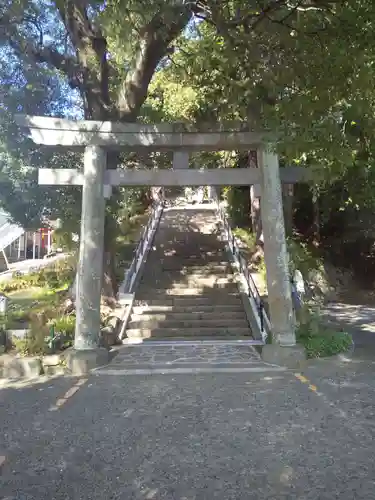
(187, 290)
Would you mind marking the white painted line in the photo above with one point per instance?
(172, 343)
(190, 362)
(186, 371)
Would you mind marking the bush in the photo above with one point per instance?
(320, 340)
(36, 342)
(65, 325)
(64, 328)
(303, 257)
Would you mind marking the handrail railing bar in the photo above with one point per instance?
(253, 292)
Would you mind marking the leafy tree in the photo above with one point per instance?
(33, 90)
(108, 52)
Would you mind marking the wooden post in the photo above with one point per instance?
(90, 263)
(275, 252)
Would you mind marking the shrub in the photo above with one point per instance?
(303, 257)
(65, 325)
(35, 344)
(320, 340)
(64, 328)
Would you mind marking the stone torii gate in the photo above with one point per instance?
(97, 138)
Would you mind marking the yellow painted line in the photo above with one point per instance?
(301, 378)
(69, 393)
(305, 380)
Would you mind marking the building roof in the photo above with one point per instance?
(9, 231)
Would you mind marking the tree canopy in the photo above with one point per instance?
(303, 68)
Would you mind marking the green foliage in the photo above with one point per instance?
(36, 341)
(59, 274)
(65, 325)
(63, 328)
(33, 89)
(303, 256)
(320, 340)
(249, 238)
(239, 205)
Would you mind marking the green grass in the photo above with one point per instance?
(246, 236)
(25, 304)
(320, 340)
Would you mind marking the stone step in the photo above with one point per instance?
(192, 323)
(196, 338)
(146, 333)
(187, 278)
(181, 281)
(196, 308)
(190, 301)
(178, 263)
(151, 292)
(179, 288)
(199, 269)
(208, 242)
(216, 315)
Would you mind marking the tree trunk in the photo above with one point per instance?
(91, 70)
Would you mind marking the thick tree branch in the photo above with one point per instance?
(91, 50)
(156, 37)
(67, 65)
(45, 54)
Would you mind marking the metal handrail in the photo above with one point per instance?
(253, 291)
(156, 211)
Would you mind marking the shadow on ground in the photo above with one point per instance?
(186, 437)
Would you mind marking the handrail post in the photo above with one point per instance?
(261, 317)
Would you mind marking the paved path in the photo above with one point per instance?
(358, 320)
(230, 436)
(168, 357)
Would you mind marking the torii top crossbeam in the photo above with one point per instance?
(133, 136)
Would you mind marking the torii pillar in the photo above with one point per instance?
(87, 353)
(283, 349)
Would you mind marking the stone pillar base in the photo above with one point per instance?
(81, 362)
(288, 356)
